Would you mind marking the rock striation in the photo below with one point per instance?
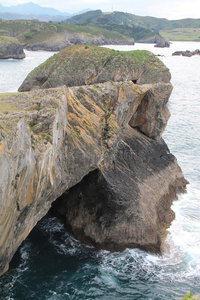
(94, 155)
(81, 65)
(10, 48)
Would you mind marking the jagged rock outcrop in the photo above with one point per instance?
(163, 44)
(66, 39)
(98, 150)
(157, 40)
(186, 53)
(10, 48)
(80, 65)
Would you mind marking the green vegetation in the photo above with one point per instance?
(5, 95)
(188, 296)
(181, 34)
(123, 23)
(136, 26)
(92, 23)
(5, 39)
(6, 107)
(36, 32)
(62, 67)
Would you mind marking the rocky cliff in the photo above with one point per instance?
(10, 48)
(96, 153)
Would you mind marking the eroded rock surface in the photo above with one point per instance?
(10, 48)
(99, 148)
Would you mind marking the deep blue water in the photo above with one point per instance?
(50, 264)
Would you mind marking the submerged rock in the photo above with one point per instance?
(10, 48)
(95, 149)
(80, 65)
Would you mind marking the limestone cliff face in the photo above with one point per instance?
(99, 148)
(83, 65)
(10, 48)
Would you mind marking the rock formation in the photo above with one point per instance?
(10, 48)
(80, 65)
(157, 40)
(95, 149)
(186, 53)
(162, 44)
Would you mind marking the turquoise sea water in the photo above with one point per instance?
(50, 264)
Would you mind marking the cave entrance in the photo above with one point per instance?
(134, 81)
(84, 207)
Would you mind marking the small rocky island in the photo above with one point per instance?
(186, 53)
(86, 142)
(10, 48)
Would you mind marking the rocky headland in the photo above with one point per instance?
(60, 41)
(10, 48)
(93, 153)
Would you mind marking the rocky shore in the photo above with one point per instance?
(91, 153)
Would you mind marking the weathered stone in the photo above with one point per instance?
(155, 39)
(10, 48)
(162, 44)
(56, 140)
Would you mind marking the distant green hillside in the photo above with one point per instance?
(125, 23)
(181, 34)
(121, 18)
(35, 31)
(139, 27)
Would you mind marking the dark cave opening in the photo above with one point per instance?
(84, 207)
(134, 81)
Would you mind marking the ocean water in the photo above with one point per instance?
(52, 265)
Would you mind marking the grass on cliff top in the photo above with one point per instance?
(181, 34)
(5, 95)
(6, 39)
(6, 107)
(86, 51)
(90, 55)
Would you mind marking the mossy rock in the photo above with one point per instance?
(87, 64)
